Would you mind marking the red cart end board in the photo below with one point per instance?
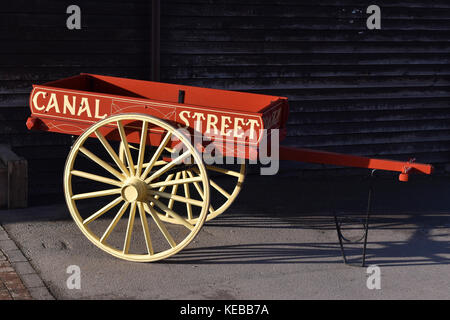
(73, 104)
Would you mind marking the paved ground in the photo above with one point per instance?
(18, 279)
(276, 242)
(11, 285)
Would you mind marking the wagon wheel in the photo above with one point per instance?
(225, 185)
(135, 181)
(224, 189)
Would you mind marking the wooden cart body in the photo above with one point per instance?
(72, 105)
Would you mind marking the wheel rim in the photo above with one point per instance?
(226, 197)
(136, 174)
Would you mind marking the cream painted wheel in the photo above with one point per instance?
(225, 184)
(128, 185)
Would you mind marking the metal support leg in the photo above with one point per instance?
(341, 237)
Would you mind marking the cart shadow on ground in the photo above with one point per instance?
(428, 244)
(410, 224)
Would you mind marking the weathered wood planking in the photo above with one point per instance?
(383, 92)
(377, 93)
(37, 47)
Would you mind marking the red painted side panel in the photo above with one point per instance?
(71, 105)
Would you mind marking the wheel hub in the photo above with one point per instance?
(134, 189)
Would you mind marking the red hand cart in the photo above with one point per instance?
(123, 164)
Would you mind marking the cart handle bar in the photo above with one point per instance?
(338, 159)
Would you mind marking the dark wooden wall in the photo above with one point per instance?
(382, 93)
(36, 47)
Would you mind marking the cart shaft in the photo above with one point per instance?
(323, 157)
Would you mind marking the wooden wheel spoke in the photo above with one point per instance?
(175, 197)
(111, 152)
(156, 155)
(224, 171)
(171, 150)
(174, 182)
(143, 140)
(199, 190)
(229, 197)
(187, 194)
(101, 163)
(95, 194)
(216, 186)
(126, 245)
(168, 179)
(196, 184)
(157, 163)
(174, 191)
(95, 177)
(162, 188)
(113, 223)
(148, 241)
(220, 189)
(126, 147)
(121, 152)
(161, 226)
(168, 166)
(171, 213)
(102, 211)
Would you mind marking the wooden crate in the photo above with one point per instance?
(13, 179)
